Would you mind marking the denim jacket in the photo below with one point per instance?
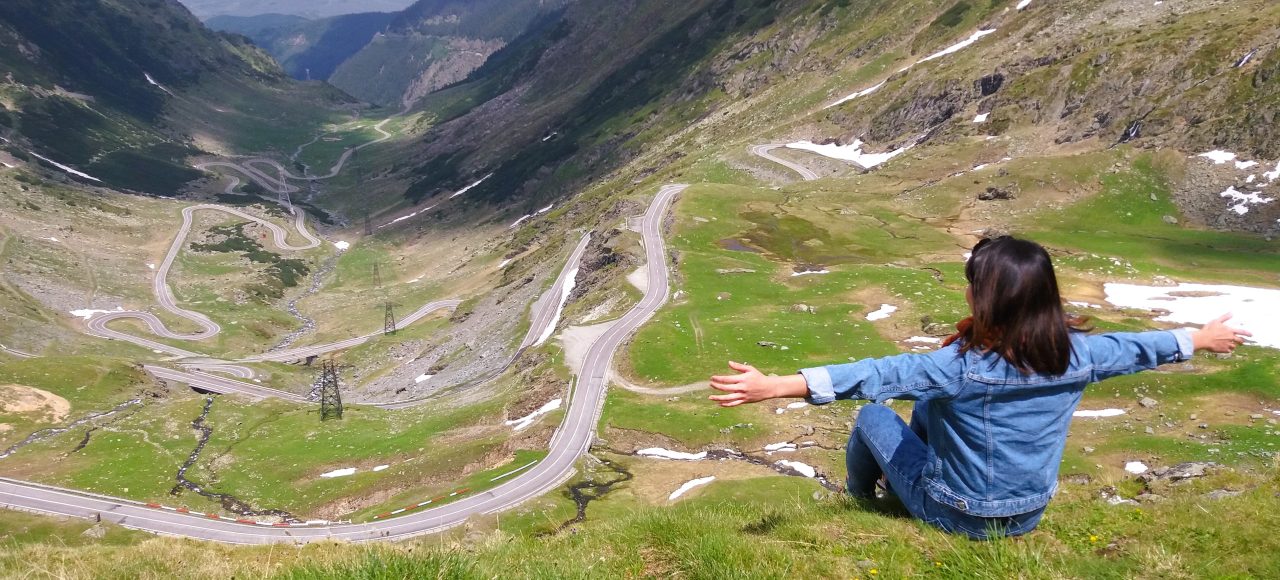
(995, 435)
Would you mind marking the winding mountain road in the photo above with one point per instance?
(164, 294)
(570, 441)
(765, 151)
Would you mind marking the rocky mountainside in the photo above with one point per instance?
(435, 43)
(595, 89)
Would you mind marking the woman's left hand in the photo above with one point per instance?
(752, 386)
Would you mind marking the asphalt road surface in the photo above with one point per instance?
(764, 152)
(571, 439)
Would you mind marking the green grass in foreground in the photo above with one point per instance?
(760, 528)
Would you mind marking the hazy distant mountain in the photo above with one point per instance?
(435, 43)
(307, 49)
(206, 9)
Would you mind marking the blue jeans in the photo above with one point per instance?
(882, 443)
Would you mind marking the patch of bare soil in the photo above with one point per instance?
(21, 399)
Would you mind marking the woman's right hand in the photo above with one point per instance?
(1216, 336)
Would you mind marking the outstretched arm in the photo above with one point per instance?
(903, 376)
(1122, 353)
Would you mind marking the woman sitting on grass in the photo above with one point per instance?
(987, 432)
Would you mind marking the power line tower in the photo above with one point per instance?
(377, 276)
(284, 198)
(389, 320)
(330, 398)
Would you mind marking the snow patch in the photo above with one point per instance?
(470, 187)
(1218, 156)
(1083, 305)
(523, 422)
(1023, 4)
(381, 467)
(784, 446)
(798, 405)
(544, 210)
(1135, 467)
(669, 454)
(924, 340)
(151, 266)
(688, 485)
(421, 378)
(883, 313)
(957, 47)
(64, 167)
(1098, 413)
(518, 222)
(1245, 164)
(504, 263)
(1254, 309)
(801, 468)
(89, 313)
(810, 272)
(852, 152)
(1244, 200)
(339, 472)
(341, 245)
(853, 96)
(1272, 175)
(564, 297)
(158, 85)
(51, 239)
(405, 217)
(981, 118)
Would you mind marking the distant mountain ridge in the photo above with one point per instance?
(307, 49)
(310, 9)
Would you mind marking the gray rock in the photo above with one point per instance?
(768, 344)
(1203, 425)
(97, 532)
(1255, 417)
(1222, 493)
(1079, 479)
(1193, 417)
(996, 194)
(723, 271)
(1179, 472)
(1173, 221)
(1151, 431)
(805, 308)
(1087, 450)
(1146, 497)
(1148, 402)
(938, 329)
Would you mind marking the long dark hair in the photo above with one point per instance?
(1017, 310)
